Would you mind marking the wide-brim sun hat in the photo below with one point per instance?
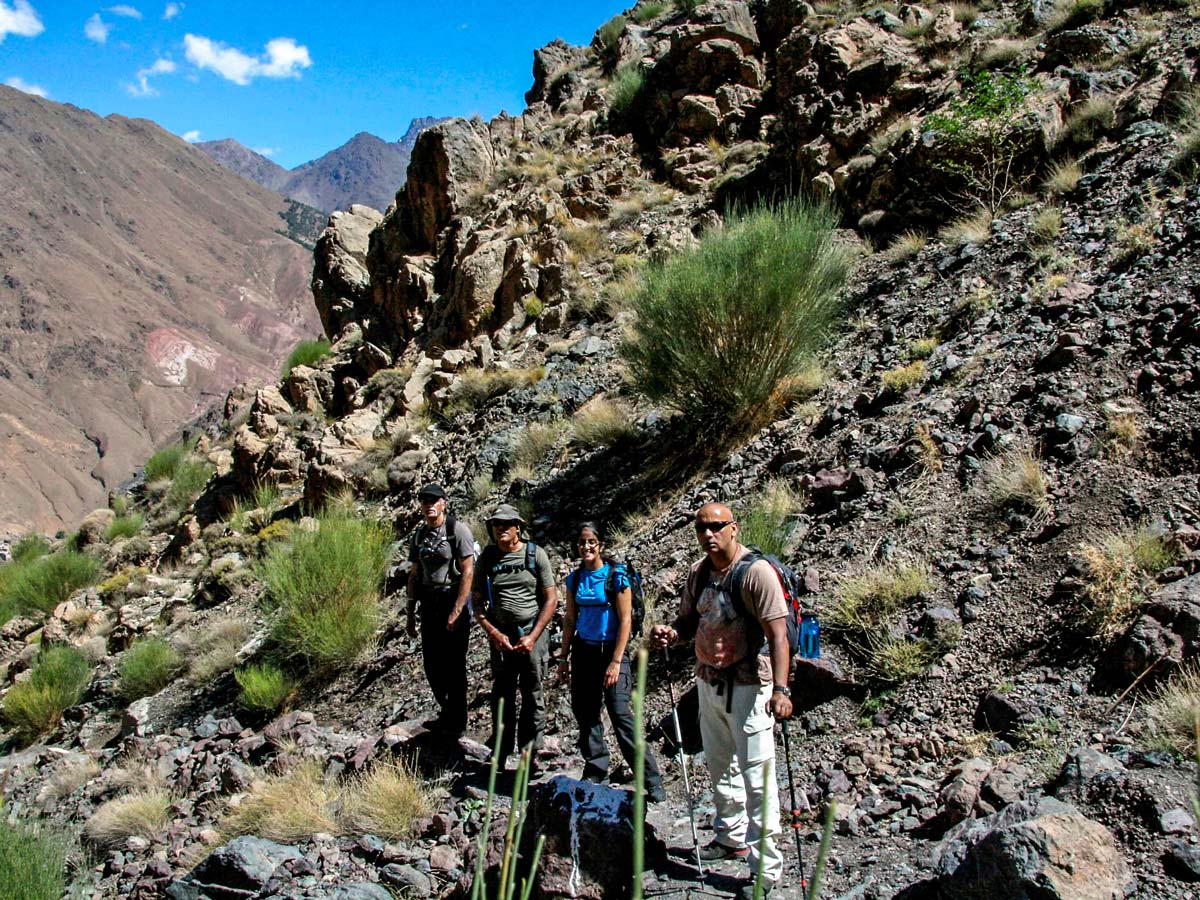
(505, 512)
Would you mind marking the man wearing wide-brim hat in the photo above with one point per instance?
(514, 600)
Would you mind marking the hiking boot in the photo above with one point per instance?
(747, 891)
(716, 850)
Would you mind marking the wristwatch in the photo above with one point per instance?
(782, 689)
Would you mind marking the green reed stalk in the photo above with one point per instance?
(639, 774)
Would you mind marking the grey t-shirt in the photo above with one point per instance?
(516, 592)
(435, 551)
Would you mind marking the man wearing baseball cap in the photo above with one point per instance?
(442, 553)
(514, 600)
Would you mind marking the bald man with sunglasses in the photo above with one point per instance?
(742, 675)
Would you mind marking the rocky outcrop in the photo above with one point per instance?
(341, 284)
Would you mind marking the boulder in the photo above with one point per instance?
(94, 527)
(589, 838)
(1039, 848)
(550, 62)
(239, 869)
(341, 284)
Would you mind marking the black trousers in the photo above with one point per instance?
(588, 662)
(519, 674)
(444, 654)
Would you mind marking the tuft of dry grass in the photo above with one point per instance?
(922, 348)
(385, 800)
(535, 441)
(1002, 51)
(213, 652)
(1047, 224)
(1086, 123)
(867, 600)
(290, 806)
(1132, 240)
(603, 423)
(1063, 178)
(900, 379)
(906, 246)
(1123, 426)
(1174, 710)
(975, 228)
(1016, 477)
(1119, 568)
(142, 813)
(71, 777)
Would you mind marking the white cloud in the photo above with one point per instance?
(191, 136)
(22, 85)
(20, 18)
(129, 12)
(283, 59)
(143, 88)
(172, 10)
(265, 151)
(97, 29)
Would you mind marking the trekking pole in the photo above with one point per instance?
(687, 784)
(787, 756)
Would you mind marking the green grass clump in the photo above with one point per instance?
(1063, 177)
(324, 589)
(610, 32)
(124, 526)
(163, 463)
(603, 423)
(867, 601)
(896, 659)
(765, 518)
(147, 667)
(1073, 13)
(1047, 224)
(628, 82)
(922, 348)
(306, 353)
(41, 584)
(1119, 570)
(644, 12)
(190, 478)
(265, 688)
(57, 682)
(29, 547)
(32, 862)
(719, 326)
(475, 387)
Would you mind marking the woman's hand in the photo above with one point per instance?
(611, 674)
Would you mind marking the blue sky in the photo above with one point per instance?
(293, 79)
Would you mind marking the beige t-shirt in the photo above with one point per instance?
(721, 635)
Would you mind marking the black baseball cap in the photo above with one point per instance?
(431, 490)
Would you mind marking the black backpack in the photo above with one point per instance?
(491, 558)
(788, 580)
(451, 524)
(637, 592)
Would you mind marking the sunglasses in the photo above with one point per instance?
(714, 527)
(504, 526)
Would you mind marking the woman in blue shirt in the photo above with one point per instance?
(595, 659)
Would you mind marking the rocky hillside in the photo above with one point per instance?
(140, 282)
(988, 483)
(365, 170)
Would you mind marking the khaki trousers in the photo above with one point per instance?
(739, 747)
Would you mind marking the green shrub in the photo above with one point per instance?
(644, 12)
(124, 526)
(718, 327)
(898, 380)
(189, 480)
(147, 667)
(41, 584)
(626, 89)
(867, 601)
(764, 519)
(980, 131)
(265, 688)
(305, 354)
(163, 463)
(533, 307)
(57, 682)
(610, 32)
(1119, 569)
(29, 547)
(324, 588)
(32, 862)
